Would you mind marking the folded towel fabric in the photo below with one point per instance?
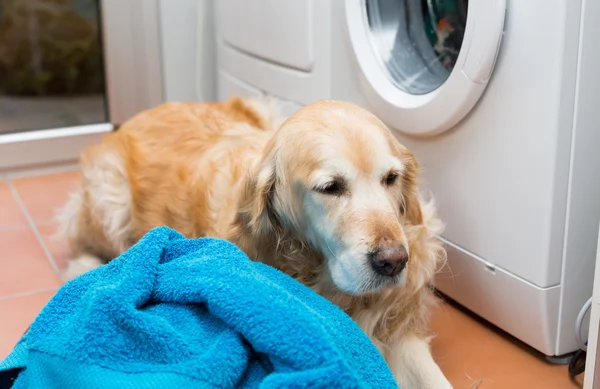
(192, 313)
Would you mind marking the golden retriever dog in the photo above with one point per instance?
(328, 196)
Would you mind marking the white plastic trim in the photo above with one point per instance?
(57, 145)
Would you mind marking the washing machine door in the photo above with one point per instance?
(424, 63)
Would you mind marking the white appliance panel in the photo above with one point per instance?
(274, 30)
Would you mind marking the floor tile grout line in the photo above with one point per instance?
(26, 294)
(33, 226)
(45, 223)
(4, 178)
(42, 171)
(14, 228)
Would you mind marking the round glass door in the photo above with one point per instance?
(417, 41)
(424, 64)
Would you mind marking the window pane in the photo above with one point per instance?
(51, 65)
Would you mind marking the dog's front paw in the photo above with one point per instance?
(439, 385)
(440, 382)
(446, 385)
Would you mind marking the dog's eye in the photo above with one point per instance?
(332, 188)
(390, 179)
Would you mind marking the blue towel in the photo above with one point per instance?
(192, 313)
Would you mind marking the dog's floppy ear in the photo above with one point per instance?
(410, 204)
(257, 202)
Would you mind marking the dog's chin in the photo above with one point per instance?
(372, 283)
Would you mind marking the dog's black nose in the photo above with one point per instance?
(389, 259)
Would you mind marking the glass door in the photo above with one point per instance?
(72, 70)
(51, 65)
(417, 41)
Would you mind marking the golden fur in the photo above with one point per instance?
(230, 170)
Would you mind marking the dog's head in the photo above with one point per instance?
(336, 178)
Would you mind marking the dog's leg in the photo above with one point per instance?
(412, 364)
(97, 221)
(78, 266)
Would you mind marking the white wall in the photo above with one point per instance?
(188, 50)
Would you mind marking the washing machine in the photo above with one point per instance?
(498, 101)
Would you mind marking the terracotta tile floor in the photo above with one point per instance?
(471, 353)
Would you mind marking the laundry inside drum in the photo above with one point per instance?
(417, 41)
